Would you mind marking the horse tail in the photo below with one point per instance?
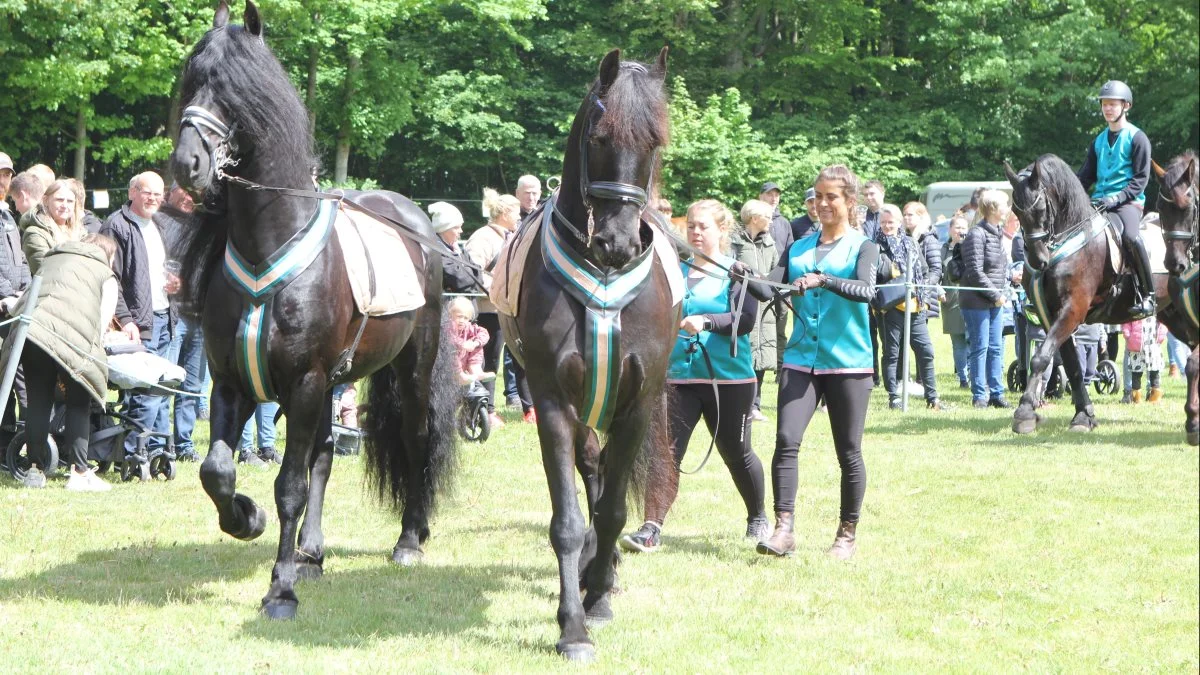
(393, 466)
(655, 458)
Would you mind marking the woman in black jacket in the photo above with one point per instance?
(985, 267)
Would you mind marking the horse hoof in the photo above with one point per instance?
(1193, 438)
(577, 652)
(1079, 428)
(253, 516)
(309, 570)
(280, 610)
(1024, 426)
(407, 557)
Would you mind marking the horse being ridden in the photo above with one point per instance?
(1070, 280)
(244, 126)
(595, 329)
(1179, 215)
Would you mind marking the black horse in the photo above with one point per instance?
(243, 124)
(1179, 213)
(1070, 281)
(594, 330)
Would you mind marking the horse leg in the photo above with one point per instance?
(556, 434)
(291, 491)
(1085, 414)
(587, 463)
(238, 515)
(1025, 420)
(310, 558)
(1192, 407)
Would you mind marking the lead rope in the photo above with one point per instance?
(696, 344)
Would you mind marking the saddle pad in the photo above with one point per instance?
(1152, 238)
(510, 264)
(371, 246)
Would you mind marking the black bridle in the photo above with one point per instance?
(1192, 234)
(1053, 238)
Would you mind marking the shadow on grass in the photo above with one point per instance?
(1053, 429)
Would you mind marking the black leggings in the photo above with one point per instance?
(687, 404)
(846, 396)
(41, 377)
(491, 353)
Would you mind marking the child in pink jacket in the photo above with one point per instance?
(470, 338)
(1143, 346)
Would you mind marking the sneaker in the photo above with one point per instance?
(895, 404)
(269, 455)
(87, 481)
(979, 403)
(530, 416)
(998, 402)
(513, 402)
(188, 455)
(34, 478)
(647, 539)
(495, 421)
(757, 416)
(963, 384)
(757, 528)
(251, 458)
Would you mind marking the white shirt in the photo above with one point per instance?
(156, 257)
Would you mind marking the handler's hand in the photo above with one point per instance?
(692, 324)
(132, 332)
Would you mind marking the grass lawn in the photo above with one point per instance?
(978, 551)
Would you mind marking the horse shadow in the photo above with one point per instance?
(997, 430)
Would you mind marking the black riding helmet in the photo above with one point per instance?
(1116, 89)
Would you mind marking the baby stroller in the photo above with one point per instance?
(111, 425)
(1107, 381)
(473, 421)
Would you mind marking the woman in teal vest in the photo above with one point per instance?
(829, 355)
(1118, 169)
(711, 375)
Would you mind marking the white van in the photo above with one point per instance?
(944, 198)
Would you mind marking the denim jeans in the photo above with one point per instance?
(1177, 352)
(986, 339)
(152, 410)
(264, 417)
(188, 345)
(962, 353)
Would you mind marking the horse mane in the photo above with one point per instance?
(1177, 166)
(1063, 189)
(635, 109)
(243, 76)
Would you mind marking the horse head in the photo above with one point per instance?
(1032, 207)
(613, 155)
(1179, 211)
(235, 98)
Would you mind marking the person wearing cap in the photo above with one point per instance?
(456, 276)
(805, 225)
(1117, 169)
(781, 229)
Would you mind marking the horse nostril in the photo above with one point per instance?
(195, 163)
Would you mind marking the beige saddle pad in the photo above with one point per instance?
(371, 246)
(1152, 238)
(505, 293)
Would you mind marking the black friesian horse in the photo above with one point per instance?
(595, 329)
(1179, 214)
(243, 121)
(1072, 281)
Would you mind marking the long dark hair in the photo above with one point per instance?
(1063, 190)
(635, 109)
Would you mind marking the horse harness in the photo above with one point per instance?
(1185, 285)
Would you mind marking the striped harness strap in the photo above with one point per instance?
(1187, 293)
(603, 295)
(1075, 242)
(259, 284)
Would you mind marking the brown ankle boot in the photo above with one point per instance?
(1137, 395)
(845, 543)
(1155, 396)
(781, 542)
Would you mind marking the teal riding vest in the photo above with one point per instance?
(830, 334)
(1114, 169)
(710, 296)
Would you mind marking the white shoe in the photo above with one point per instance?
(87, 481)
(757, 416)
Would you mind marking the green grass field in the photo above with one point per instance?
(978, 551)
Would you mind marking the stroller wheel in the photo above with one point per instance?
(19, 461)
(473, 422)
(1107, 382)
(133, 468)
(163, 467)
(1017, 379)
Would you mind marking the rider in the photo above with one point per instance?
(1118, 165)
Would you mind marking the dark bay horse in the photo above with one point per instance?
(244, 123)
(1070, 280)
(595, 329)
(1179, 214)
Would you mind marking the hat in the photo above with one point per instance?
(445, 216)
(768, 186)
(6, 162)
(810, 193)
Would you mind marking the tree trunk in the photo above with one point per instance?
(81, 142)
(310, 93)
(342, 155)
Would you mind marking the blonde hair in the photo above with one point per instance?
(895, 213)
(463, 305)
(721, 216)
(496, 204)
(849, 181)
(923, 220)
(43, 173)
(73, 229)
(756, 208)
(992, 202)
(80, 196)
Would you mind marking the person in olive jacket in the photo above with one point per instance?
(754, 246)
(952, 318)
(985, 266)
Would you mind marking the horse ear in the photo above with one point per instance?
(1010, 174)
(1158, 170)
(221, 17)
(660, 66)
(252, 20)
(610, 67)
(1191, 171)
(1034, 175)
